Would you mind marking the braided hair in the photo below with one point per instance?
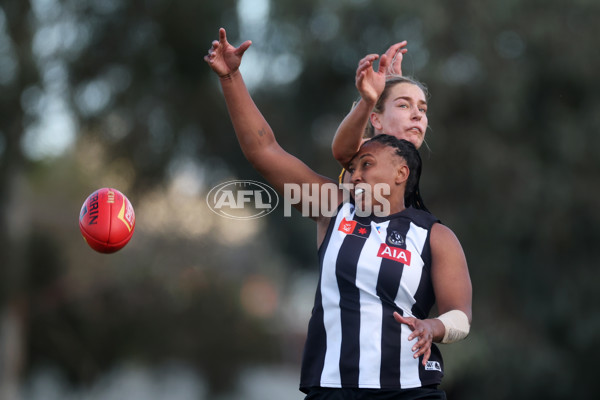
(408, 151)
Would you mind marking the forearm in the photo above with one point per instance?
(258, 143)
(348, 137)
(252, 130)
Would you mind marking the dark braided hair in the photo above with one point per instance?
(408, 151)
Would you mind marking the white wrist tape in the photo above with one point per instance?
(457, 326)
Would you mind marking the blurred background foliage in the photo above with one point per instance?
(115, 93)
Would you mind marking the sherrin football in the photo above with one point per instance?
(107, 220)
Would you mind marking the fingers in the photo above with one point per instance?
(222, 48)
(391, 52)
(405, 320)
(395, 54)
(384, 62)
(424, 337)
(370, 57)
(424, 351)
(243, 47)
(360, 78)
(223, 41)
(426, 356)
(366, 62)
(222, 36)
(210, 57)
(422, 347)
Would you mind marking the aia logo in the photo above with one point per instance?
(394, 253)
(242, 199)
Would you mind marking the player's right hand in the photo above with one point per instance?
(224, 58)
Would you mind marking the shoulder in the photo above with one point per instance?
(325, 224)
(443, 240)
(421, 218)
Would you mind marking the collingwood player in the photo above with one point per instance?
(369, 336)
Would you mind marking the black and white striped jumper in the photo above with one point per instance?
(369, 268)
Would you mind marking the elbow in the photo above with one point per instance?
(340, 157)
(260, 156)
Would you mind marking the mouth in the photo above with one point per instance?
(359, 191)
(415, 129)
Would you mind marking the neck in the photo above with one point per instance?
(397, 209)
(396, 202)
(388, 206)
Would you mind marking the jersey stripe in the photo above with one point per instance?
(389, 282)
(415, 239)
(350, 301)
(330, 376)
(371, 310)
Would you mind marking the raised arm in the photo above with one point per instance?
(370, 85)
(254, 134)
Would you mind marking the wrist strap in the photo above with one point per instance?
(457, 326)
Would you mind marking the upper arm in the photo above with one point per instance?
(289, 175)
(450, 274)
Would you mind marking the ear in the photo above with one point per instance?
(376, 122)
(402, 174)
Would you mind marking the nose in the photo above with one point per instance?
(416, 114)
(355, 177)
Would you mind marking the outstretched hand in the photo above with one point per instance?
(420, 329)
(224, 58)
(370, 83)
(395, 54)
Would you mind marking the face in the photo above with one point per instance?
(404, 114)
(377, 167)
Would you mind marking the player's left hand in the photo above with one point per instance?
(421, 329)
(395, 54)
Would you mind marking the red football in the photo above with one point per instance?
(107, 220)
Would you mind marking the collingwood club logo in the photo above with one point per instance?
(242, 199)
(395, 239)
